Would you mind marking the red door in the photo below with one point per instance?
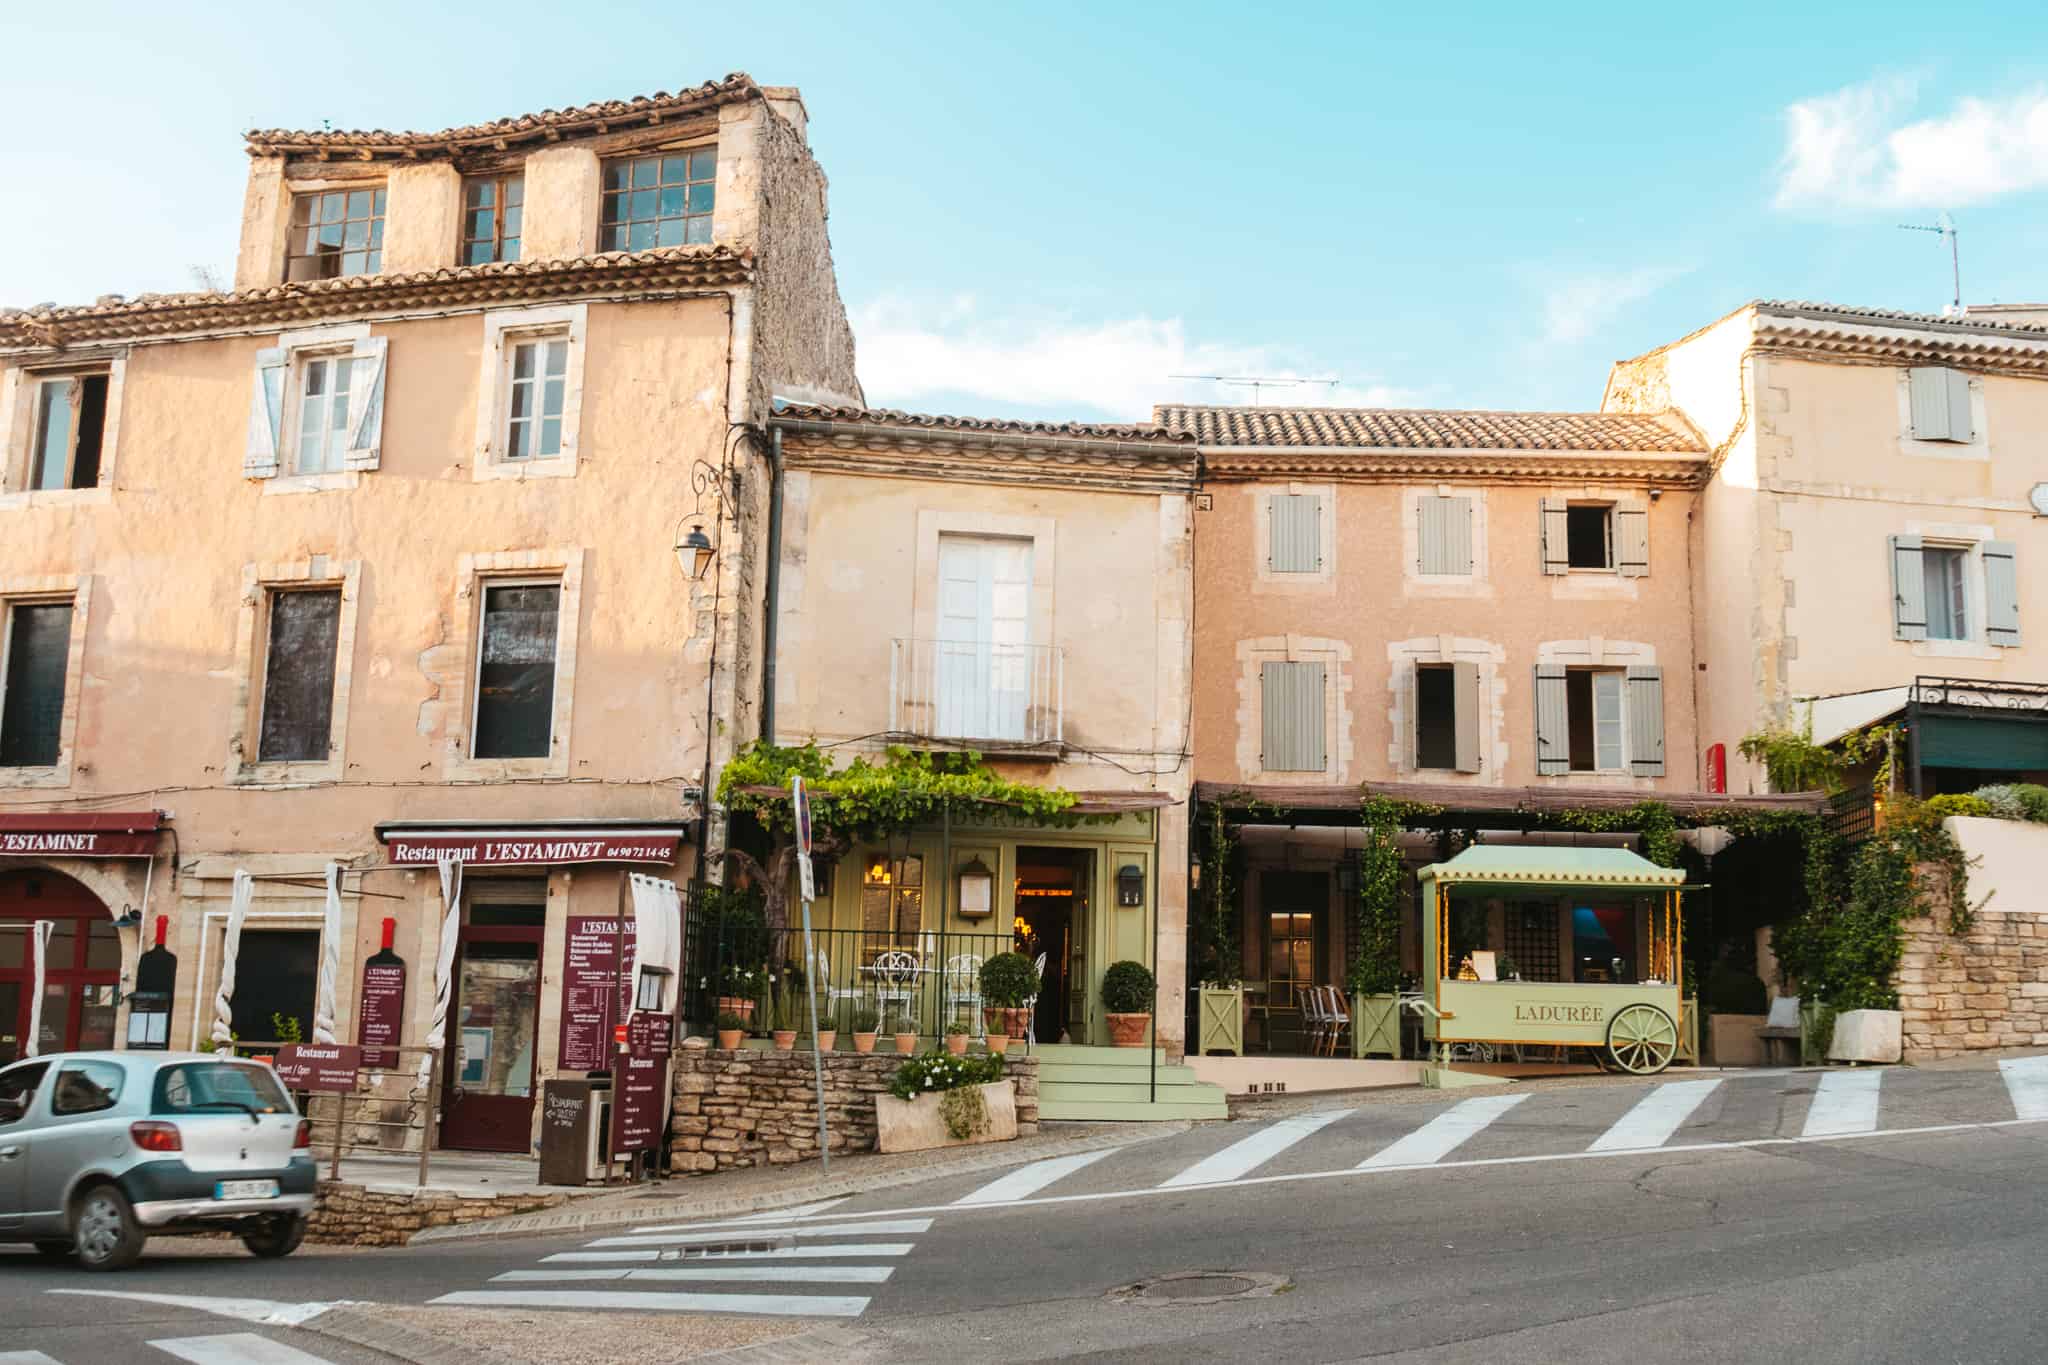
(493, 1027)
(81, 974)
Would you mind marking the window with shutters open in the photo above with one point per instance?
(316, 406)
(1939, 405)
(1292, 701)
(1600, 720)
(1956, 591)
(1596, 537)
(1447, 717)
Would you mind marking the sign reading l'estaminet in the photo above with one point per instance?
(534, 848)
(97, 843)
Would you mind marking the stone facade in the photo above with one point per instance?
(748, 1108)
(364, 1216)
(1984, 989)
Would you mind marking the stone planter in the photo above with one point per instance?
(1867, 1036)
(918, 1125)
(1732, 1039)
(1376, 1025)
(1128, 1030)
(1221, 1018)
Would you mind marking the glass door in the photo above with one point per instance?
(493, 1028)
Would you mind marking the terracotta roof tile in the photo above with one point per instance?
(1966, 322)
(890, 417)
(522, 128)
(1429, 429)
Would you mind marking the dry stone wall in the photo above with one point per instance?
(749, 1108)
(1984, 989)
(356, 1215)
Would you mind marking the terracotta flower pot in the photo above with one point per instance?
(993, 1017)
(1128, 1030)
(729, 1038)
(785, 1039)
(735, 1004)
(956, 1043)
(827, 1038)
(864, 1042)
(999, 1043)
(1017, 1022)
(906, 1043)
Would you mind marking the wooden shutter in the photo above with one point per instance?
(1632, 537)
(266, 416)
(1292, 703)
(1553, 722)
(1443, 534)
(1556, 549)
(1909, 589)
(2001, 594)
(1296, 533)
(1939, 399)
(1646, 721)
(365, 405)
(1465, 696)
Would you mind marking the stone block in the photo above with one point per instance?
(1866, 1036)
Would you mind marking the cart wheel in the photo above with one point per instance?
(1641, 1039)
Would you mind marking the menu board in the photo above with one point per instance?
(318, 1066)
(592, 993)
(382, 1012)
(637, 1107)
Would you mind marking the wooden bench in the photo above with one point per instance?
(1781, 1026)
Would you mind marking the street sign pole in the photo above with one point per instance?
(800, 807)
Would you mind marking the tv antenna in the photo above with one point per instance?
(1945, 226)
(1255, 382)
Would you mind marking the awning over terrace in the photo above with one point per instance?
(1526, 865)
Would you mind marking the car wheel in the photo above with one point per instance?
(54, 1251)
(278, 1235)
(104, 1230)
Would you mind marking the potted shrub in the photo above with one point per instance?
(865, 1020)
(1374, 984)
(1007, 981)
(939, 1100)
(731, 1028)
(998, 1043)
(782, 1020)
(1127, 992)
(906, 1041)
(956, 1038)
(738, 987)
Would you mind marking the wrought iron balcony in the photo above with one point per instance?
(978, 691)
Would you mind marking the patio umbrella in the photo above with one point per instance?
(330, 959)
(230, 950)
(39, 946)
(444, 964)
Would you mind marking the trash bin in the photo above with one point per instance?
(571, 1138)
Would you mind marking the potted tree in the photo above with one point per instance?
(731, 1028)
(1374, 979)
(1221, 1009)
(1127, 993)
(1007, 981)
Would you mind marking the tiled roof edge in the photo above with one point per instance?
(936, 423)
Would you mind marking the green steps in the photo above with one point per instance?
(1120, 1084)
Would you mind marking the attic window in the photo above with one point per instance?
(334, 233)
(71, 417)
(653, 201)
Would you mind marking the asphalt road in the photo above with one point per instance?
(1806, 1217)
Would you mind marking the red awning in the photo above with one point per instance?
(86, 834)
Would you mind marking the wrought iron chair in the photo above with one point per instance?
(1031, 1002)
(1337, 1016)
(833, 994)
(962, 987)
(896, 974)
(1315, 1018)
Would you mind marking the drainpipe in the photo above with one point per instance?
(773, 591)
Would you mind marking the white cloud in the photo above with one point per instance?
(1856, 149)
(1577, 306)
(1114, 369)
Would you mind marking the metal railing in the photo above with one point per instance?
(978, 690)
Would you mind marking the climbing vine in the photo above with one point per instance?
(1652, 820)
(1218, 962)
(1794, 763)
(1376, 967)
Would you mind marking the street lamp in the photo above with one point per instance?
(694, 551)
(694, 548)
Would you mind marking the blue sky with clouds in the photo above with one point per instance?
(1049, 210)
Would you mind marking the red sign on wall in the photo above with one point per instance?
(637, 1084)
(591, 990)
(512, 847)
(381, 1016)
(100, 835)
(1717, 767)
(318, 1066)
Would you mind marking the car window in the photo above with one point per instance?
(17, 1089)
(219, 1087)
(87, 1087)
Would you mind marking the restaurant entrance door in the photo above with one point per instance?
(81, 973)
(494, 1018)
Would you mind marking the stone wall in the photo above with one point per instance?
(749, 1108)
(1984, 989)
(366, 1216)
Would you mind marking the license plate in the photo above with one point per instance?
(245, 1189)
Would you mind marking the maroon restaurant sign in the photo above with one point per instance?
(511, 847)
(637, 1106)
(318, 1066)
(382, 1010)
(592, 994)
(105, 835)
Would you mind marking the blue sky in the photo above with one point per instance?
(1048, 210)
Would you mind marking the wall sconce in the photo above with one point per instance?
(1130, 886)
(977, 888)
(694, 551)
(1195, 875)
(694, 548)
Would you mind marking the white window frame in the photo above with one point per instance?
(298, 347)
(1617, 656)
(297, 381)
(505, 329)
(252, 670)
(49, 590)
(20, 398)
(557, 567)
(1970, 539)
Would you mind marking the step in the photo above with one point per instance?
(1097, 1075)
(1162, 1111)
(1077, 1054)
(1128, 1092)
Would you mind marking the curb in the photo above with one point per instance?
(366, 1328)
(570, 1219)
(841, 1344)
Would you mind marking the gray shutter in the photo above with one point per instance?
(1296, 533)
(1443, 534)
(2001, 594)
(1632, 537)
(1646, 720)
(1940, 403)
(1465, 703)
(266, 416)
(366, 405)
(1553, 722)
(1556, 552)
(1960, 427)
(1292, 702)
(1909, 590)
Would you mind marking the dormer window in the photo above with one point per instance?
(491, 210)
(652, 201)
(334, 233)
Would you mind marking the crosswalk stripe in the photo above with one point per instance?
(1026, 1181)
(840, 1250)
(25, 1358)
(1846, 1102)
(677, 1236)
(1247, 1155)
(768, 1305)
(763, 1274)
(1445, 1133)
(236, 1348)
(2026, 1080)
(1655, 1117)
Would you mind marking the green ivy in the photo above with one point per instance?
(1376, 969)
(869, 800)
(1218, 961)
(1653, 820)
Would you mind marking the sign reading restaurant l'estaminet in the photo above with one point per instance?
(79, 843)
(541, 847)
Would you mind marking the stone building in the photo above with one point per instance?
(375, 558)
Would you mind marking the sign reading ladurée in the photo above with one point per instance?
(1528, 1012)
(512, 848)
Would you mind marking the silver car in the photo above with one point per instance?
(99, 1150)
